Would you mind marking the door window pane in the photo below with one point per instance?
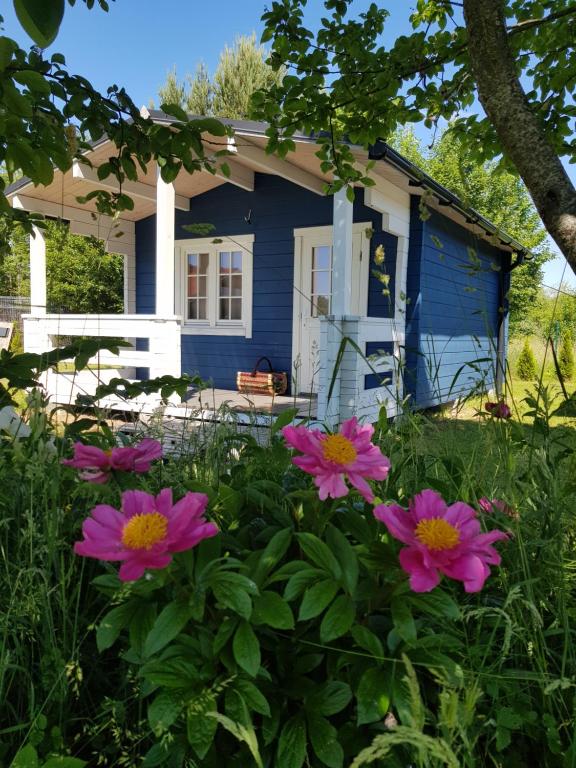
(321, 281)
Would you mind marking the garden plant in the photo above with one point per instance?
(391, 595)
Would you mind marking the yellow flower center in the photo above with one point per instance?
(437, 534)
(145, 530)
(338, 449)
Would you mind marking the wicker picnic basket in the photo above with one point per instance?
(262, 382)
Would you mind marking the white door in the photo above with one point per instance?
(313, 299)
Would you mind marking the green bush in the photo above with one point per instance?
(526, 368)
(566, 355)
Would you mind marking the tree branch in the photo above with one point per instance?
(522, 26)
(519, 129)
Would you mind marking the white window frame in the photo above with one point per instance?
(213, 246)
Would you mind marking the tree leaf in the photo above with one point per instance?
(246, 649)
(316, 599)
(40, 19)
(373, 695)
(112, 624)
(368, 641)
(329, 699)
(292, 744)
(170, 622)
(338, 619)
(271, 609)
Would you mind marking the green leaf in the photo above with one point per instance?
(32, 80)
(246, 649)
(175, 110)
(210, 125)
(25, 758)
(319, 553)
(345, 555)
(329, 699)
(200, 727)
(437, 603)
(171, 621)
(297, 583)
(373, 695)
(283, 420)
(64, 762)
(338, 619)
(271, 609)
(140, 625)
(403, 619)
(7, 48)
(368, 641)
(253, 697)
(324, 739)
(292, 744)
(112, 624)
(242, 733)
(316, 599)
(40, 19)
(163, 712)
(273, 552)
(231, 595)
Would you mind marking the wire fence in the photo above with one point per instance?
(11, 310)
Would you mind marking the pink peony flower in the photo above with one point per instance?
(96, 464)
(489, 505)
(146, 531)
(331, 458)
(441, 539)
(499, 410)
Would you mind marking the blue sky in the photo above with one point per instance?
(139, 41)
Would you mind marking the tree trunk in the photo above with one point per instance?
(517, 126)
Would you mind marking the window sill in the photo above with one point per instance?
(213, 330)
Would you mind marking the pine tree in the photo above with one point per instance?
(566, 355)
(241, 70)
(526, 365)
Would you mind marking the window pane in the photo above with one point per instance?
(321, 282)
(320, 306)
(202, 309)
(202, 286)
(236, 313)
(204, 263)
(192, 309)
(192, 285)
(224, 261)
(236, 285)
(237, 261)
(224, 285)
(224, 309)
(321, 257)
(192, 263)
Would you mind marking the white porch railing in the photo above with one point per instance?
(363, 386)
(162, 357)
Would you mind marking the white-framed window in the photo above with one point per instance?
(216, 280)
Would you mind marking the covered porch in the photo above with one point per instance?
(361, 386)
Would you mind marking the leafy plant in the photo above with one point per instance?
(566, 355)
(526, 364)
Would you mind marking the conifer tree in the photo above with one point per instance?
(566, 355)
(526, 364)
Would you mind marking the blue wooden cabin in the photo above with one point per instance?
(221, 270)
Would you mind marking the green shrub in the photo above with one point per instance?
(526, 368)
(566, 355)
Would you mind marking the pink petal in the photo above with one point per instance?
(470, 569)
(137, 503)
(194, 537)
(303, 439)
(361, 485)
(398, 521)
(331, 484)
(109, 517)
(422, 578)
(428, 504)
(163, 503)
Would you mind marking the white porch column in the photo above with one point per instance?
(342, 255)
(165, 286)
(37, 272)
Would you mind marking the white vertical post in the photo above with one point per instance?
(342, 255)
(165, 220)
(37, 272)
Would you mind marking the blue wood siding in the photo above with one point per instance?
(270, 213)
(453, 310)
